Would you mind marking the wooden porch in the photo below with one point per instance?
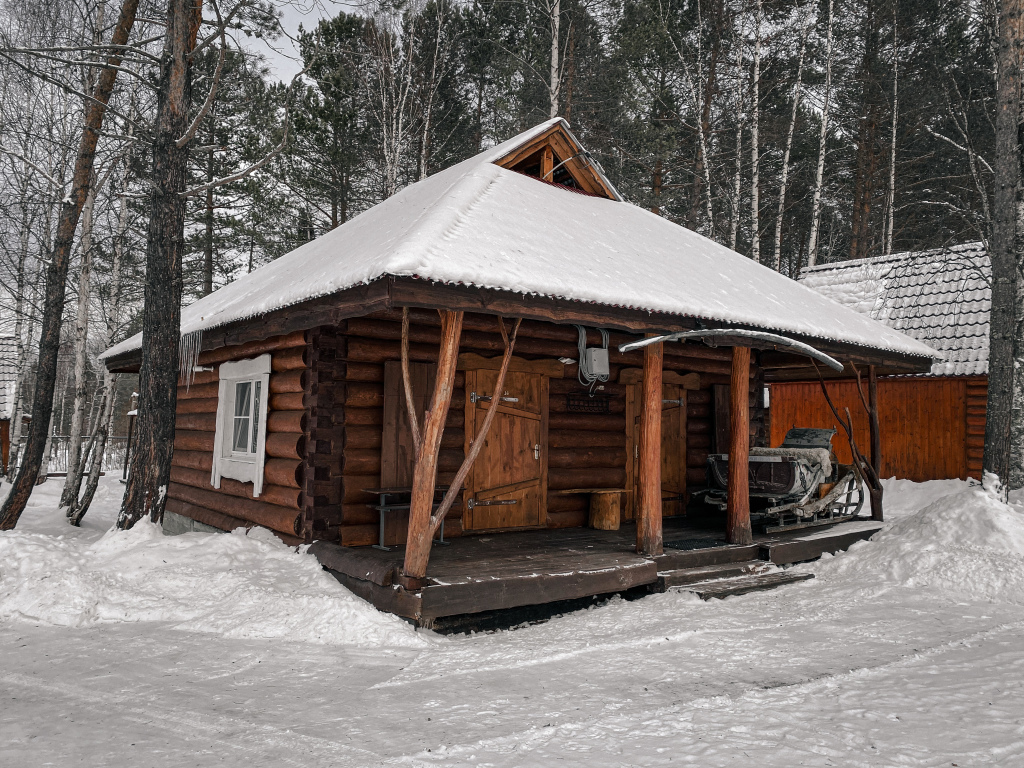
(475, 577)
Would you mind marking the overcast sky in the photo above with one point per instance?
(282, 55)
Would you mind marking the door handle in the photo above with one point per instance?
(673, 402)
(536, 452)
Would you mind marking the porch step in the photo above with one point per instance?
(680, 576)
(679, 559)
(741, 585)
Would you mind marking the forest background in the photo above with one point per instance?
(794, 131)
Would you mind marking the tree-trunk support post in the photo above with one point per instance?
(648, 521)
(876, 440)
(738, 503)
(424, 479)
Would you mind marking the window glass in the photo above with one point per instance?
(243, 417)
(255, 414)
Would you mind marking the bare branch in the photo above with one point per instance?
(53, 182)
(266, 158)
(208, 104)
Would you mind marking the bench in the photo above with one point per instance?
(391, 500)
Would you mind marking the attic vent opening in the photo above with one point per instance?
(544, 164)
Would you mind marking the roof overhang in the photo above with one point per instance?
(391, 292)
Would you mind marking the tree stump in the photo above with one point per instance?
(606, 510)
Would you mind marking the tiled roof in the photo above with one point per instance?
(941, 297)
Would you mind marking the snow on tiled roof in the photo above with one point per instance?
(479, 224)
(941, 297)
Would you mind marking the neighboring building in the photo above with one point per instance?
(8, 391)
(297, 419)
(932, 425)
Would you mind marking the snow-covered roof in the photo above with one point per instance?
(482, 225)
(941, 297)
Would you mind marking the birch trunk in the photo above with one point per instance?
(98, 446)
(79, 506)
(890, 211)
(1002, 246)
(20, 349)
(737, 183)
(755, 159)
(789, 147)
(819, 176)
(555, 80)
(72, 480)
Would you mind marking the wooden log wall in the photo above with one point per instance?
(976, 409)
(584, 450)
(281, 504)
(326, 411)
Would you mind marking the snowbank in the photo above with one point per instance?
(967, 544)
(905, 497)
(234, 585)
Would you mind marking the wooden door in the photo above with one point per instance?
(507, 487)
(673, 449)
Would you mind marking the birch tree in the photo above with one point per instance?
(784, 177)
(755, 143)
(819, 175)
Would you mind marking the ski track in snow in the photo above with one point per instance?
(906, 651)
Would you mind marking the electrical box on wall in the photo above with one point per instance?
(597, 361)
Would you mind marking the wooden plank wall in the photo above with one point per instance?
(585, 450)
(932, 427)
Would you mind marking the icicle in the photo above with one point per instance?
(188, 355)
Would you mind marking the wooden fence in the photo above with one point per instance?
(932, 428)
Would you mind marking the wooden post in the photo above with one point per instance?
(737, 529)
(876, 442)
(648, 520)
(424, 478)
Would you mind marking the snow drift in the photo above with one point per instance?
(235, 585)
(968, 544)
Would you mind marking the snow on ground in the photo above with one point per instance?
(138, 649)
(236, 585)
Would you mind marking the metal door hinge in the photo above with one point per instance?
(536, 451)
(494, 503)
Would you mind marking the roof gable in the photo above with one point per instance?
(557, 157)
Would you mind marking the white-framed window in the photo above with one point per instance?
(239, 446)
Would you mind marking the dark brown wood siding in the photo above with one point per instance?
(585, 450)
(932, 428)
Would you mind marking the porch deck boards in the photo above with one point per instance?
(474, 574)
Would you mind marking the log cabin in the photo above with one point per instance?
(932, 425)
(433, 393)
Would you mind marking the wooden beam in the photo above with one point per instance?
(547, 163)
(738, 503)
(648, 522)
(424, 479)
(876, 440)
